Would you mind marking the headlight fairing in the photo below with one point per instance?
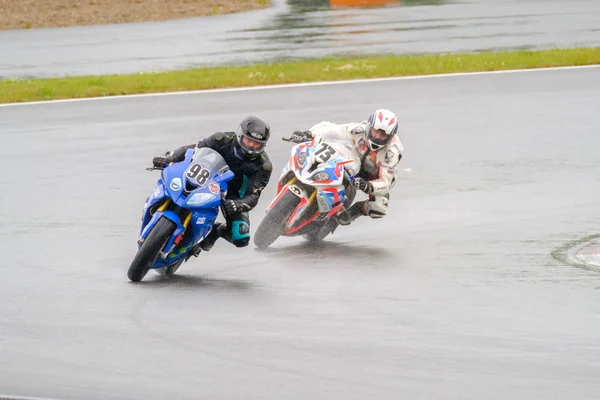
(321, 176)
(200, 199)
(301, 159)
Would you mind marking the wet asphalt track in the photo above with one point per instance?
(454, 295)
(296, 31)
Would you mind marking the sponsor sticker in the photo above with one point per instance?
(388, 156)
(176, 184)
(295, 190)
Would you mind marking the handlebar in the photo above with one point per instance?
(159, 168)
(289, 139)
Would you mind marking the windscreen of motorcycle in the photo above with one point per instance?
(205, 164)
(344, 148)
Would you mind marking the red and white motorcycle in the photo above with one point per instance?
(315, 184)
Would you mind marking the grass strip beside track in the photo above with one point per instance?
(326, 69)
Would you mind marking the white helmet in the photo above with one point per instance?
(381, 128)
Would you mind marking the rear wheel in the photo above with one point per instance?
(150, 249)
(273, 224)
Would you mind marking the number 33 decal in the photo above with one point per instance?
(200, 174)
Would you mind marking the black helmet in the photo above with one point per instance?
(255, 129)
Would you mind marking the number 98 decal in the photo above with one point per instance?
(198, 173)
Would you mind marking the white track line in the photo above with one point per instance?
(297, 85)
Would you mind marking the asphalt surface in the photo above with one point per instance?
(297, 30)
(455, 294)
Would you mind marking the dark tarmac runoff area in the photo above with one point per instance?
(298, 29)
(473, 286)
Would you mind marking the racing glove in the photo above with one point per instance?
(364, 185)
(161, 161)
(232, 207)
(301, 136)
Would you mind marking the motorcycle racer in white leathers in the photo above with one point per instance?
(380, 150)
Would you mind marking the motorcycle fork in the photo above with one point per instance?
(163, 206)
(311, 198)
(186, 222)
(305, 218)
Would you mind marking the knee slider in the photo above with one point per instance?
(376, 215)
(240, 234)
(241, 242)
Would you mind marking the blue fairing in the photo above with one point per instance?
(201, 197)
(172, 175)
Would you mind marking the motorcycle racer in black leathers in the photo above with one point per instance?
(244, 152)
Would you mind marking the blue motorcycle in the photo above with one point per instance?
(180, 212)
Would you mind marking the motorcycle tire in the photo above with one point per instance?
(150, 249)
(272, 225)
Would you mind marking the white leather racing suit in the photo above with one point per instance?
(378, 167)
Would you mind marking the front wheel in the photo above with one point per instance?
(273, 224)
(150, 249)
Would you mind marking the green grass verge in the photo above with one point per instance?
(327, 69)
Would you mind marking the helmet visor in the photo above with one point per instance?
(379, 137)
(251, 145)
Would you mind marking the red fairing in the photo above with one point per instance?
(279, 194)
(302, 203)
(302, 225)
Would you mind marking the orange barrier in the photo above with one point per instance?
(362, 2)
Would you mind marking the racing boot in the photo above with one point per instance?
(208, 242)
(355, 211)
